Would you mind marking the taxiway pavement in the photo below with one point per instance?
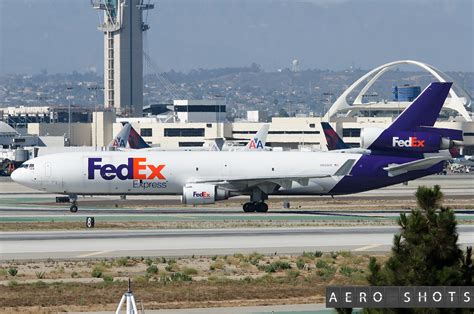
(116, 243)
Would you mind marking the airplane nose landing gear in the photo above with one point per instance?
(73, 200)
(73, 208)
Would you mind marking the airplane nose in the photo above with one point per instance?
(18, 175)
(14, 175)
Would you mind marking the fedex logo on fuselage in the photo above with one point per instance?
(255, 143)
(135, 168)
(412, 141)
(203, 194)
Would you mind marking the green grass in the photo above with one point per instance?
(152, 269)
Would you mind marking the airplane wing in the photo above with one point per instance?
(398, 169)
(269, 183)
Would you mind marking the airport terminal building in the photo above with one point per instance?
(192, 123)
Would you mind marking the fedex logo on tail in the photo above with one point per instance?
(255, 143)
(135, 168)
(412, 141)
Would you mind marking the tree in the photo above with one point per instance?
(282, 113)
(425, 252)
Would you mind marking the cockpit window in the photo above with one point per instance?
(28, 166)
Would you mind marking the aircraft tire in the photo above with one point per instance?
(249, 207)
(73, 208)
(261, 207)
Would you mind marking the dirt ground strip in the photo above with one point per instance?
(61, 225)
(36, 287)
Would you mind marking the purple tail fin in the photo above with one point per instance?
(425, 108)
(333, 140)
(136, 141)
(408, 132)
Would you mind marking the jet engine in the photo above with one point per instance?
(202, 193)
(368, 136)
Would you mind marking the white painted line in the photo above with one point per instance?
(94, 253)
(367, 247)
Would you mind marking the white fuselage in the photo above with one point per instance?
(167, 172)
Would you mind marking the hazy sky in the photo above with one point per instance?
(61, 35)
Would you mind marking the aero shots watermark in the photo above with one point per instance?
(400, 297)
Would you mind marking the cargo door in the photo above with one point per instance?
(53, 181)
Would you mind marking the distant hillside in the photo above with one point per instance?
(244, 88)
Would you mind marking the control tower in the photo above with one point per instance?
(123, 25)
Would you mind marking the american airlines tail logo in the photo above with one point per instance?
(119, 142)
(135, 168)
(203, 194)
(412, 141)
(255, 143)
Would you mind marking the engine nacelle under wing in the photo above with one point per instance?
(203, 193)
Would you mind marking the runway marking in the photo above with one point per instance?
(94, 253)
(367, 247)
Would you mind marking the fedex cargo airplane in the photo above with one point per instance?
(408, 149)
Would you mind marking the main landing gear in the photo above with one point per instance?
(73, 200)
(259, 207)
(257, 202)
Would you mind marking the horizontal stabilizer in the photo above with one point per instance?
(421, 164)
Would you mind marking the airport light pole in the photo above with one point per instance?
(95, 88)
(69, 88)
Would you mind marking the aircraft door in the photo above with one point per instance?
(53, 181)
(47, 170)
